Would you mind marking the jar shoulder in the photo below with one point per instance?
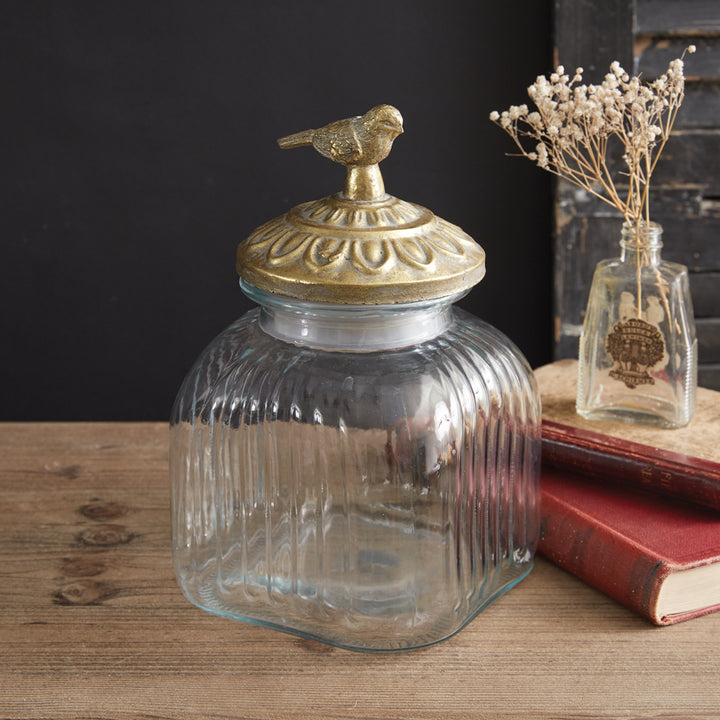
(216, 360)
(244, 360)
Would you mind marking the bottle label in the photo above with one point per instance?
(635, 347)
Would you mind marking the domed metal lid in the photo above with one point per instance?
(361, 246)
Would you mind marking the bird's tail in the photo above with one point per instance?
(296, 140)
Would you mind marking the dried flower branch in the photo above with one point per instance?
(569, 132)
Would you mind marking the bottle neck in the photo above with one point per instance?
(643, 241)
(352, 328)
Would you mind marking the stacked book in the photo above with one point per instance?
(632, 510)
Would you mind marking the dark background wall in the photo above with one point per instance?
(138, 149)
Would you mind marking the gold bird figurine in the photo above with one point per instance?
(355, 142)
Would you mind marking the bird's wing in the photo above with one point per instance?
(339, 142)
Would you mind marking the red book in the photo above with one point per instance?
(682, 462)
(656, 556)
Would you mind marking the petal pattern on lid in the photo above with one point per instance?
(414, 252)
(372, 256)
(287, 248)
(349, 252)
(324, 252)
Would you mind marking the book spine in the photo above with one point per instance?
(601, 557)
(670, 479)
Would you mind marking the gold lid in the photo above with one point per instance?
(361, 246)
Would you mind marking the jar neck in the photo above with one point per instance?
(352, 328)
(641, 241)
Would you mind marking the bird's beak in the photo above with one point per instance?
(392, 127)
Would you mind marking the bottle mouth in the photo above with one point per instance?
(644, 235)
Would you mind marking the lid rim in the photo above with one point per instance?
(343, 293)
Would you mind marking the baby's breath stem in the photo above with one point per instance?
(646, 191)
(639, 246)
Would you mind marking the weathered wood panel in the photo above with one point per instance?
(705, 289)
(589, 227)
(708, 335)
(690, 157)
(685, 196)
(689, 240)
(672, 17)
(653, 55)
(701, 106)
(593, 34)
(709, 376)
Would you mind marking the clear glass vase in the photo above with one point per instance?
(638, 351)
(366, 476)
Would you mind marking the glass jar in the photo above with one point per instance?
(638, 350)
(356, 461)
(362, 476)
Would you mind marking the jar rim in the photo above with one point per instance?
(275, 300)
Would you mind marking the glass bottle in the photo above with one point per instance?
(638, 350)
(356, 461)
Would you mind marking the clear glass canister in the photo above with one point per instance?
(360, 473)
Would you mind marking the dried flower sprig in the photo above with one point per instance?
(569, 132)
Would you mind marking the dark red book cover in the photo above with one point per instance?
(656, 556)
(683, 462)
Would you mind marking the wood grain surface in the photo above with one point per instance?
(92, 624)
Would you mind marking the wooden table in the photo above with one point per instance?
(92, 624)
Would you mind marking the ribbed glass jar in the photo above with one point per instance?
(638, 349)
(366, 476)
